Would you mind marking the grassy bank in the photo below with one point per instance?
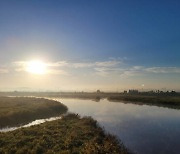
(20, 110)
(162, 101)
(71, 134)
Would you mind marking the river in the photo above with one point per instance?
(143, 129)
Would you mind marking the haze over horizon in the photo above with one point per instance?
(88, 45)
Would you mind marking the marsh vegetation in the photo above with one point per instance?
(161, 101)
(71, 134)
(16, 111)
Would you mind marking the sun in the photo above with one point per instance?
(36, 67)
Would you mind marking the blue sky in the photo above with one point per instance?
(138, 37)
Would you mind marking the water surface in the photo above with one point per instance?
(35, 122)
(143, 129)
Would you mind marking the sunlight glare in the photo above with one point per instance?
(36, 67)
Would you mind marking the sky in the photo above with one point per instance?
(88, 45)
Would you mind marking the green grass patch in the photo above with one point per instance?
(71, 134)
(15, 111)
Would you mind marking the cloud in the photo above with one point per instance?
(102, 68)
(102, 71)
(140, 70)
(60, 67)
(109, 63)
(57, 72)
(163, 70)
(52, 68)
(57, 64)
(81, 65)
(135, 70)
(3, 71)
(20, 63)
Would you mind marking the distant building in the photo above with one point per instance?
(133, 91)
(125, 92)
(98, 91)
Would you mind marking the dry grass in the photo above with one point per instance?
(71, 134)
(20, 110)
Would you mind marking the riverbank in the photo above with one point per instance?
(71, 134)
(16, 111)
(161, 101)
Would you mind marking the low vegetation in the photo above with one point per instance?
(161, 101)
(15, 111)
(159, 98)
(71, 134)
